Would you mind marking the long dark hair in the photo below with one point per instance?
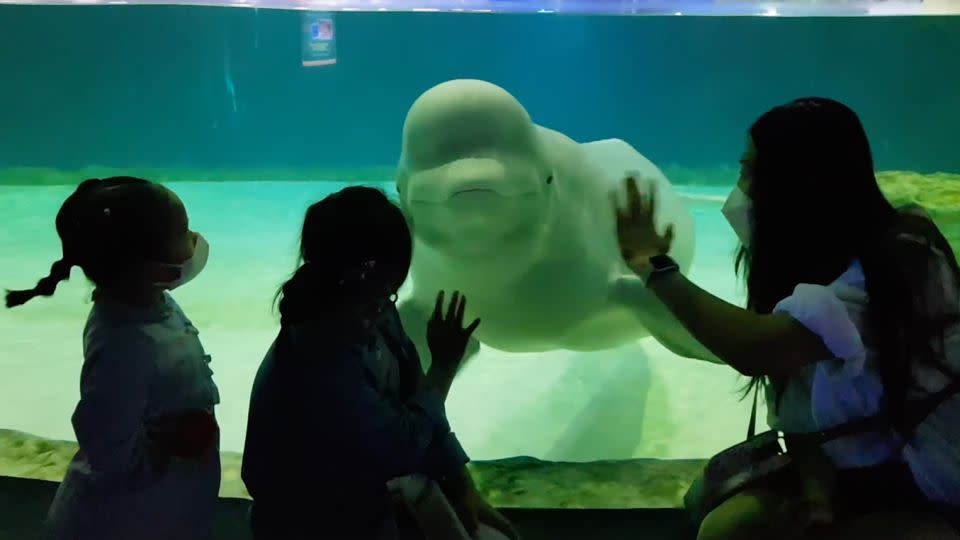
(106, 227)
(817, 207)
(352, 233)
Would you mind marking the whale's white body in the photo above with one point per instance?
(518, 218)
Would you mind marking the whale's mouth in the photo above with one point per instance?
(470, 193)
(466, 191)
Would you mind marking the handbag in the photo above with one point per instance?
(759, 459)
(774, 456)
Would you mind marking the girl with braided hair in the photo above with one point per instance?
(148, 466)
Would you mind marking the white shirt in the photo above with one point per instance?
(139, 363)
(840, 389)
(847, 387)
(934, 452)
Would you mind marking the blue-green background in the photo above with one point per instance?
(149, 86)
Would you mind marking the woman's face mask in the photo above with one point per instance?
(738, 209)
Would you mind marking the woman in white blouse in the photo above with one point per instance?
(852, 311)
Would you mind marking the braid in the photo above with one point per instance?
(66, 225)
(80, 224)
(60, 271)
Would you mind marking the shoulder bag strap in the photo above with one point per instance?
(752, 427)
(917, 413)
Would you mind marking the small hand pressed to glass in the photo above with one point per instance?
(446, 335)
(447, 338)
(636, 231)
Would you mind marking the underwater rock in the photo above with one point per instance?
(525, 482)
(938, 193)
(28, 456)
(521, 482)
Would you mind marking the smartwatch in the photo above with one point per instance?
(661, 265)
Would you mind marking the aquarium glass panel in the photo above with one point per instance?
(250, 115)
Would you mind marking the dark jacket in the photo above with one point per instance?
(333, 417)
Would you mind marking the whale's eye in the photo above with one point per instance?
(550, 179)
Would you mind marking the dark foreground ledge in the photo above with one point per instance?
(24, 503)
(596, 501)
(520, 482)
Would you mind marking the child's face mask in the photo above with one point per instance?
(189, 268)
(738, 209)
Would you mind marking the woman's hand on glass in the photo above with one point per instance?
(637, 234)
(446, 335)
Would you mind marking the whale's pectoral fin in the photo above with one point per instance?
(616, 159)
(631, 293)
(415, 317)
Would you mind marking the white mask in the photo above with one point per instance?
(738, 209)
(189, 268)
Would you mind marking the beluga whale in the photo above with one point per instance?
(518, 218)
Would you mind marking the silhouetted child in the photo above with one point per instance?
(148, 466)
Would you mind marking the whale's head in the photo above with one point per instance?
(473, 175)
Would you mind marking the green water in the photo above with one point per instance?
(558, 405)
